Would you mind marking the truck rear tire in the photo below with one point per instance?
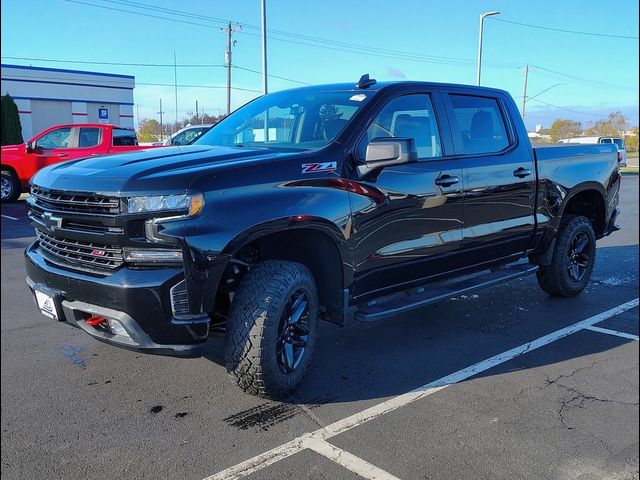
(10, 187)
(573, 258)
(272, 327)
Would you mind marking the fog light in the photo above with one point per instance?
(116, 328)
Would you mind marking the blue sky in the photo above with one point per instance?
(417, 40)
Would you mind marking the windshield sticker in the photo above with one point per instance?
(358, 97)
(319, 167)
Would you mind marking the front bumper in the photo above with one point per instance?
(139, 299)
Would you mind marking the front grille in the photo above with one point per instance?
(72, 202)
(81, 253)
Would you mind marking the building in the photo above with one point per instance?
(51, 96)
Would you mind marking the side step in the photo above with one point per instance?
(404, 302)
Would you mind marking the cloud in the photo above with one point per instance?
(395, 73)
(587, 115)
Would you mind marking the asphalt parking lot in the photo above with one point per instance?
(505, 383)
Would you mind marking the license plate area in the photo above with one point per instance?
(48, 303)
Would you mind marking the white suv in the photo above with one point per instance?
(622, 149)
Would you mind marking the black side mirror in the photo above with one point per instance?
(31, 147)
(383, 151)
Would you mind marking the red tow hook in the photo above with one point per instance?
(94, 320)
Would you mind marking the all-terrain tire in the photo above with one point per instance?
(254, 326)
(11, 188)
(556, 278)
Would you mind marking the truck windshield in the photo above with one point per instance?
(296, 120)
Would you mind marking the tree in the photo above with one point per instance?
(613, 126)
(329, 112)
(148, 130)
(632, 140)
(564, 129)
(10, 127)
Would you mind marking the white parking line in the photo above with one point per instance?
(8, 217)
(630, 336)
(300, 443)
(347, 460)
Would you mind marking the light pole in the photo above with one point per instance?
(263, 22)
(482, 17)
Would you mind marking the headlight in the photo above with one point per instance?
(189, 203)
(150, 256)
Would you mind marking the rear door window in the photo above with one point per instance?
(480, 124)
(124, 138)
(619, 142)
(89, 137)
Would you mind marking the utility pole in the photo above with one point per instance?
(264, 46)
(161, 128)
(524, 93)
(196, 112)
(227, 60)
(175, 83)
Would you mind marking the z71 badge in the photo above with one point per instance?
(319, 167)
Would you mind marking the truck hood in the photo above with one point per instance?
(167, 169)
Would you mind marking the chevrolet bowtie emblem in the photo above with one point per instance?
(51, 222)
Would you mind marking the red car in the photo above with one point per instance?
(57, 144)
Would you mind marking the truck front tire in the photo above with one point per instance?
(272, 327)
(573, 258)
(11, 188)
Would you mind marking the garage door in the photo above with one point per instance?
(46, 113)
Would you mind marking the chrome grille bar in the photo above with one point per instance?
(84, 253)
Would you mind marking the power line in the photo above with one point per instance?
(144, 6)
(583, 80)
(114, 82)
(124, 64)
(304, 39)
(592, 34)
(273, 76)
(566, 109)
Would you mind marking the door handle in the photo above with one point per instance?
(521, 172)
(446, 180)
(62, 155)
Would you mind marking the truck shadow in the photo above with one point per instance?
(364, 361)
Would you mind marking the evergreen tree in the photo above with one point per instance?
(10, 127)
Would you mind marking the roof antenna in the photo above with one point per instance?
(365, 81)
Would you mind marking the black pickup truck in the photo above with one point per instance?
(334, 202)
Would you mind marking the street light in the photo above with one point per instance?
(482, 17)
(545, 90)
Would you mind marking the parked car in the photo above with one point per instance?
(187, 135)
(618, 141)
(357, 202)
(57, 144)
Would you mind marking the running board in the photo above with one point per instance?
(404, 302)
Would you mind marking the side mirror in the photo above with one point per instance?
(383, 151)
(31, 147)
